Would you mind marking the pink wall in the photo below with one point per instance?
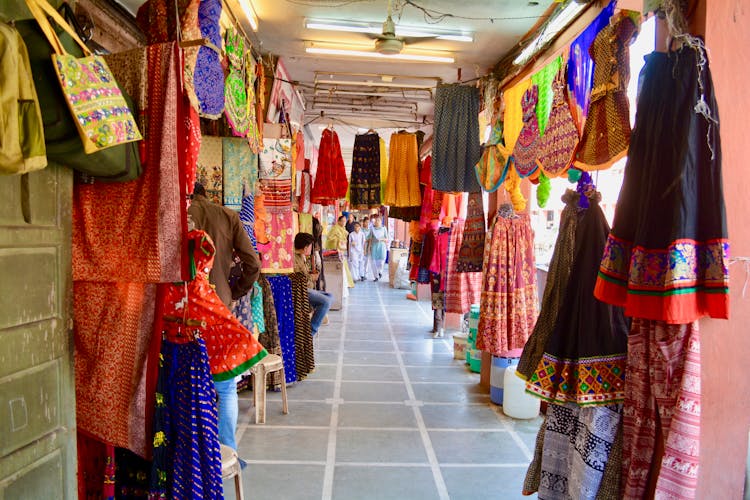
(725, 345)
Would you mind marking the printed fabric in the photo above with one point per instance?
(584, 358)
(235, 89)
(492, 167)
(455, 142)
(513, 118)
(606, 133)
(303, 188)
(555, 288)
(471, 253)
(667, 257)
(402, 186)
(247, 217)
(543, 80)
(279, 256)
(364, 189)
(581, 65)
(283, 300)
(277, 193)
(558, 144)
(578, 446)
(276, 159)
(270, 337)
(240, 171)
(664, 376)
(303, 340)
(254, 130)
(508, 305)
(208, 76)
(187, 453)
(526, 149)
(330, 180)
(210, 169)
(462, 289)
(232, 349)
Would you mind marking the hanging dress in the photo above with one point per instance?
(462, 289)
(492, 167)
(471, 253)
(606, 133)
(554, 289)
(330, 180)
(402, 186)
(208, 76)
(455, 145)
(585, 356)
(254, 131)
(303, 340)
(508, 304)
(235, 88)
(557, 145)
(364, 188)
(526, 149)
(667, 257)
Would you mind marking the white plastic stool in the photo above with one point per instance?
(269, 364)
(231, 468)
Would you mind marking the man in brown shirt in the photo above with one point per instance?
(224, 227)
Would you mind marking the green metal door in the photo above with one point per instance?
(37, 397)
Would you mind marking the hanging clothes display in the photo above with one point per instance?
(667, 257)
(585, 355)
(240, 171)
(514, 112)
(402, 186)
(254, 129)
(581, 65)
(606, 133)
(281, 288)
(232, 349)
(262, 224)
(455, 146)
(555, 288)
(208, 76)
(492, 167)
(526, 150)
(383, 168)
(275, 160)
(270, 337)
(330, 180)
(247, 217)
(508, 305)
(278, 256)
(302, 190)
(558, 144)
(235, 89)
(662, 388)
(543, 80)
(187, 453)
(303, 339)
(462, 289)
(210, 171)
(364, 188)
(471, 253)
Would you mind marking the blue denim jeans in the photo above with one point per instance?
(320, 303)
(228, 411)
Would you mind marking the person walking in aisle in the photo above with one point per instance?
(378, 243)
(224, 227)
(319, 301)
(357, 253)
(337, 236)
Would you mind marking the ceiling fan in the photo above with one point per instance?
(388, 43)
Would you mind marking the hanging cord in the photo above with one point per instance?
(746, 262)
(678, 31)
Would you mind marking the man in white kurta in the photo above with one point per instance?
(357, 253)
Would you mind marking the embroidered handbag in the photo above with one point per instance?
(100, 112)
(64, 146)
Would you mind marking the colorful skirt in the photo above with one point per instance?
(303, 339)
(364, 188)
(402, 185)
(667, 257)
(471, 253)
(585, 356)
(330, 180)
(455, 145)
(461, 289)
(508, 304)
(187, 454)
(283, 300)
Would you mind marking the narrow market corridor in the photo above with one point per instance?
(388, 413)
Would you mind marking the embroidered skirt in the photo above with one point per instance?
(364, 189)
(667, 257)
(461, 289)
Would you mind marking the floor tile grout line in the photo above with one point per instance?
(330, 468)
(516, 438)
(437, 475)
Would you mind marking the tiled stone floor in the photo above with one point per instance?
(387, 414)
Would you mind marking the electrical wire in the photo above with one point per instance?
(433, 16)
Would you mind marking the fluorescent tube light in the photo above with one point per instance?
(376, 55)
(559, 22)
(249, 11)
(377, 29)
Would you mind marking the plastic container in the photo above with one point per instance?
(497, 375)
(460, 341)
(516, 402)
(475, 360)
(474, 317)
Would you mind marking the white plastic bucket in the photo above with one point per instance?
(516, 402)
